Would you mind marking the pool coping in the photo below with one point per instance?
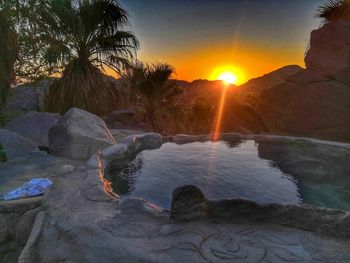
(324, 221)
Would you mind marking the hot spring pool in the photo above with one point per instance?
(245, 169)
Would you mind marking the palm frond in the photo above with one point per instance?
(334, 11)
(106, 16)
(155, 90)
(87, 37)
(83, 86)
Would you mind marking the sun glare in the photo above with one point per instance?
(228, 74)
(228, 78)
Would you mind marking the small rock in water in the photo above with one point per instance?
(188, 203)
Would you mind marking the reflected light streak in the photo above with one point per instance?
(217, 129)
(219, 114)
(107, 185)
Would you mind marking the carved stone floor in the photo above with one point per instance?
(82, 224)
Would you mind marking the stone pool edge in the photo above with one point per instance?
(324, 221)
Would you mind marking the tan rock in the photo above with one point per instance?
(314, 109)
(329, 52)
(79, 134)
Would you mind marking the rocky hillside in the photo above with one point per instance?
(238, 116)
(204, 89)
(257, 85)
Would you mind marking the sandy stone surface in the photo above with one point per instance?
(83, 225)
(17, 217)
(35, 165)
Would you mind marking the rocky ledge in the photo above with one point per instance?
(190, 203)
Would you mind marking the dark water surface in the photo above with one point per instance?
(221, 170)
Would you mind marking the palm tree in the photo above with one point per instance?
(334, 11)
(8, 55)
(85, 38)
(30, 64)
(155, 89)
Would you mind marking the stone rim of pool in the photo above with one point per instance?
(320, 220)
(267, 173)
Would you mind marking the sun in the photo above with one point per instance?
(229, 74)
(228, 78)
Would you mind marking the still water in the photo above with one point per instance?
(220, 169)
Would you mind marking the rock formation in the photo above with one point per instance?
(16, 221)
(314, 102)
(329, 52)
(28, 97)
(122, 119)
(15, 144)
(78, 135)
(315, 109)
(34, 126)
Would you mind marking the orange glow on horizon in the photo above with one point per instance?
(246, 60)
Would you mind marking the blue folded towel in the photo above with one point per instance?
(34, 187)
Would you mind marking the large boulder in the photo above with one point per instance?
(15, 144)
(78, 135)
(122, 119)
(28, 97)
(34, 126)
(307, 107)
(329, 52)
(314, 102)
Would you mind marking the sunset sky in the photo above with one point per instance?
(202, 38)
